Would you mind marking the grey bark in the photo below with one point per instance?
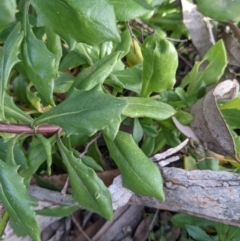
(208, 194)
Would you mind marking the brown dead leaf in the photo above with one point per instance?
(233, 49)
(197, 28)
(209, 125)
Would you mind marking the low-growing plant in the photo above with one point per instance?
(71, 71)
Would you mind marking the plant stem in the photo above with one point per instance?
(4, 222)
(27, 129)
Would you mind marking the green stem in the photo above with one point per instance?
(4, 222)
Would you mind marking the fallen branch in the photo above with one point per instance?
(208, 194)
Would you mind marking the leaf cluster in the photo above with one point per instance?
(73, 70)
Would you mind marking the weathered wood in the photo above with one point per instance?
(208, 194)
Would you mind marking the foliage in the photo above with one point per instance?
(201, 229)
(118, 81)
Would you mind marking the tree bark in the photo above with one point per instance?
(208, 194)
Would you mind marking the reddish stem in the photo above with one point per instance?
(22, 128)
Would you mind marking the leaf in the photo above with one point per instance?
(7, 16)
(39, 63)
(197, 233)
(186, 130)
(124, 45)
(126, 10)
(139, 174)
(209, 125)
(60, 211)
(15, 199)
(148, 146)
(184, 117)
(18, 153)
(142, 107)
(130, 78)
(96, 74)
(34, 99)
(63, 83)
(54, 45)
(8, 58)
(208, 164)
(19, 87)
(47, 145)
(182, 219)
(226, 232)
(222, 10)
(12, 111)
(232, 117)
(87, 21)
(215, 61)
(232, 48)
(88, 189)
(134, 55)
(231, 104)
(90, 162)
(71, 60)
(197, 27)
(94, 152)
(36, 155)
(137, 130)
(84, 111)
(160, 61)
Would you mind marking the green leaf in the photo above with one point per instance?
(8, 58)
(124, 45)
(160, 61)
(63, 83)
(230, 104)
(130, 78)
(15, 199)
(18, 153)
(139, 174)
(232, 116)
(89, 53)
(182, 219)
(88, 189)
(215, 61)
(171, 138)
(208, 164)
(10, 154)
(137, 130)
(85, 111)
(198, 234)
(40, 64)
(7, 15)
(95, 153)
(226, 232)
(12, 111)
(48, 151)
(148, 146)
(34, 99)
(19, 87)
(90, 162)
(184, 117)
(71, 60)
(62, 211)
(96, 74)
(143, 107)
(87, 21)
(126, 10)
(54, 45)
(222, 10)
(36, 155)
